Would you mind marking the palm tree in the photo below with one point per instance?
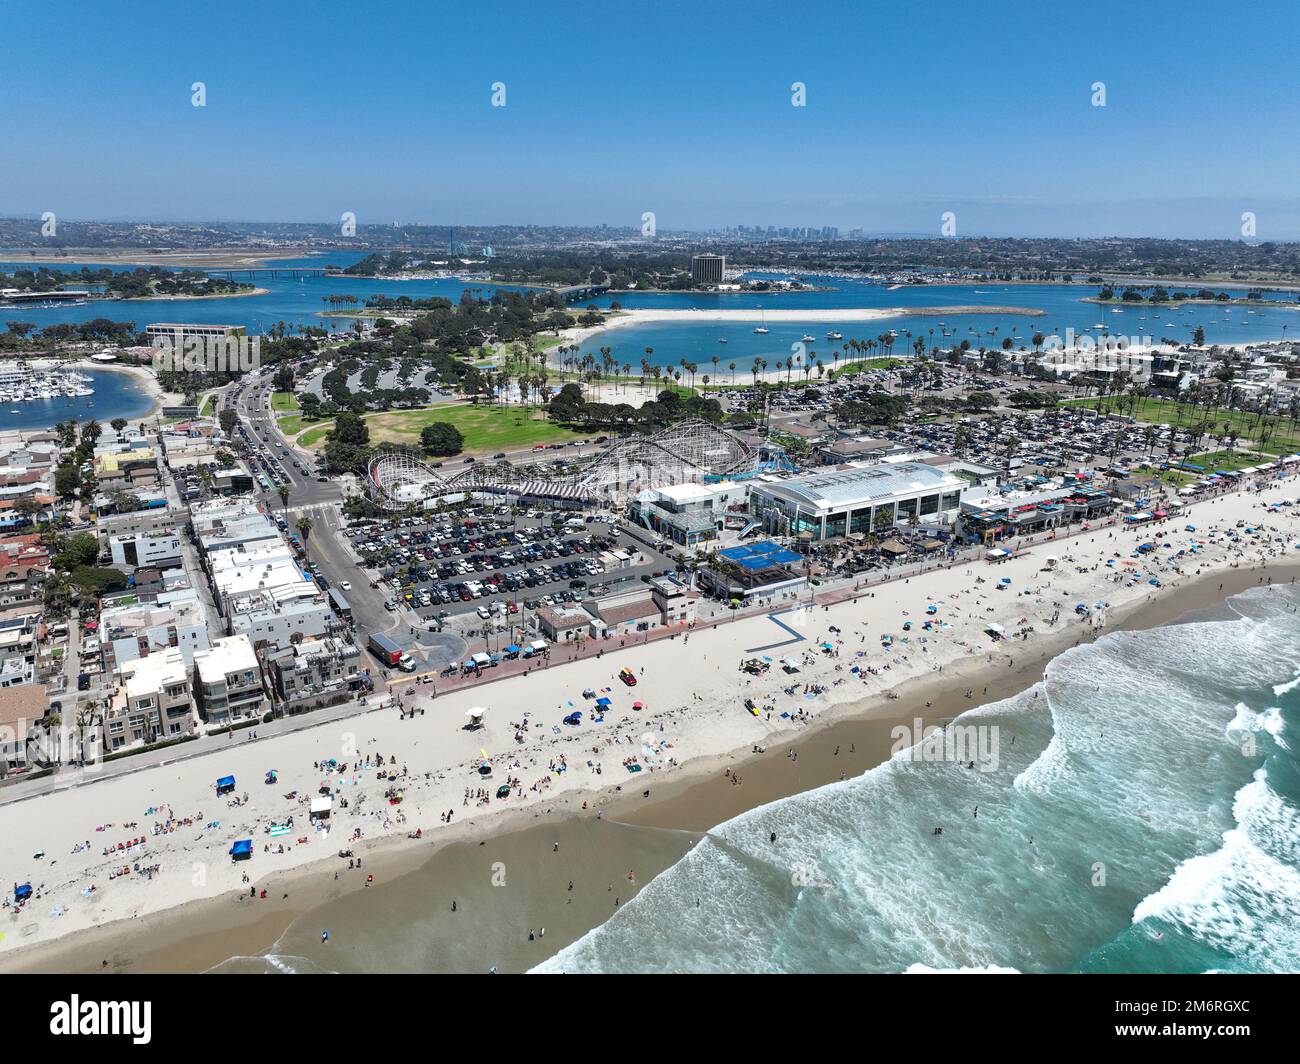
(304, 527)
(283, 491)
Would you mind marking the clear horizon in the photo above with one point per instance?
(684, 111)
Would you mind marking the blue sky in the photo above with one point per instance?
(684, 109)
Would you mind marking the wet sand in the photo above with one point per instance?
(415, 883)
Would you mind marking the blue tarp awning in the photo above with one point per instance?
(225, 781)
(512, 649)
(242, 847)
(22, 891)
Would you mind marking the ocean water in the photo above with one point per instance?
(1139, 810)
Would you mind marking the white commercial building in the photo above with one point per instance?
(858, 498)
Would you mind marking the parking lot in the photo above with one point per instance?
(493, 562)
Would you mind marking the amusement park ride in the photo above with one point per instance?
(682, 453)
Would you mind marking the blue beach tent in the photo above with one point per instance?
(225, 784)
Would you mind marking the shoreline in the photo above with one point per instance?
(255, 291)
(146, 379)
(692, 798)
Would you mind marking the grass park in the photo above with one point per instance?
(486, 429)
(1284, 437)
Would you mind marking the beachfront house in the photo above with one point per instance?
(313, 673)
(152, 701)
(22, 709)
(228, 684)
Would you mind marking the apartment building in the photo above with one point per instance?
(314, 672)
(229, 681)
(152, 702)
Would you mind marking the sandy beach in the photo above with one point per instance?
(692, 729)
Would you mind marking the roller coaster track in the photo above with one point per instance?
(676, 455)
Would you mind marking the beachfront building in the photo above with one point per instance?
(560, 623)
(22, 709)
(708, 269)
(858, 498)
(751, 572)
(152, 701)
(626, 610)
(313, 673)
(674, 601)
(987, 517)
(228, 683)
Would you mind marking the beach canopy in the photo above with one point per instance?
(997, 629)
(603, 701)
(225, 783)
(512, 649)
(638, 705)
(477, 713)
(22, 891)
(242, 848)
(321, 806)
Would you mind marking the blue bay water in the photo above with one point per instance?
(115, 395)
(302, 301)
(1145, 818)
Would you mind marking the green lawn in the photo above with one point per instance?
(284, 403)
(487, 429)
(1211, 460)
(852, 369)
(209, 406)
(293, 423)
(1284, 439)
(1230, 460)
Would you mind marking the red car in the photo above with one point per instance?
(627, 676)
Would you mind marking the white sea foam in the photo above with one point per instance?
(1119, 767)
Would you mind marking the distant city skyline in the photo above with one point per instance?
(906, 115)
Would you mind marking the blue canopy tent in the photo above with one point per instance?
(225, 784)
(512, 651)
(22, 892)
(241, 850)
(603, 702)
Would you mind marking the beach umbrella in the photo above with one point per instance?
(476, 713)
(638, 705)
